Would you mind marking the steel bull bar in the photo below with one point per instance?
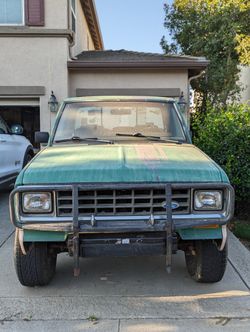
(168, 229)
(76, 231)
(77, 225)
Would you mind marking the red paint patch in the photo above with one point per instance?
(150, 156)
(161, 152)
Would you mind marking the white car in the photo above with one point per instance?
(15, 152)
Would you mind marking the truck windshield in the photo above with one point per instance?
(104, 120)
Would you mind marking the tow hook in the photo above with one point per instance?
(19, 234)
(224, 237)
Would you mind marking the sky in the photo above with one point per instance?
(135, 25)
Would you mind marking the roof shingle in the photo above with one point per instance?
(131, 56)
(130, 60)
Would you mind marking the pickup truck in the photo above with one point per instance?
(120, 177)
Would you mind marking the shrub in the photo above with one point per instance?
(224, 134)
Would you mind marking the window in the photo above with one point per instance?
(34, 12)
(73, 15)
(106, 119)
(11, 12)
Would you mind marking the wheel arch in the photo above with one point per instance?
(29, 150)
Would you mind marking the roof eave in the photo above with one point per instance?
(194, 66)
(90, 12)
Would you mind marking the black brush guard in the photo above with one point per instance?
(81, 247)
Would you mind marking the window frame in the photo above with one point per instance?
(73, 12)
(186, 138)
(16, 24)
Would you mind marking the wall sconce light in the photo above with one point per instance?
(182, 102)
(53, 103)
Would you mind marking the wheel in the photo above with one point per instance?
(206, 263)
(27, 158)
(37, 267)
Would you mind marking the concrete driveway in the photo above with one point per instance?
(123, 294)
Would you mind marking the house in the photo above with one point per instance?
(133, 73)
(37, 38)
(56, 45)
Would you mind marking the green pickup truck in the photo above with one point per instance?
(120, 177)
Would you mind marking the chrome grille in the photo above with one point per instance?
(135, 201)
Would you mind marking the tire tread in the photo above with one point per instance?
(209, 264)
(37, 267)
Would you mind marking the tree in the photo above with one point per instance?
(218, 30)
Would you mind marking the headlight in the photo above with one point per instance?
(207, 200)
(37, 203)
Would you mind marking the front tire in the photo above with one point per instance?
(38, 266)
(205, 263)
(27, 158)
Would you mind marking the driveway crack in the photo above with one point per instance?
(238, 272)
(8, 237)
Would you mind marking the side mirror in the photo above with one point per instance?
(16, 129)
(41, 137)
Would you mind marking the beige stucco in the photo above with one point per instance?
(83, 39)
(56, 17)
(42, 61)
(56, 14)
(36, 62)
(128, 79)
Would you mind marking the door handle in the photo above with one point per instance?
(2, 141)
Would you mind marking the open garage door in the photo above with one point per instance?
(26, 114)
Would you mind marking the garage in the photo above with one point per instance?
(121, 72)
(26, 116)
(23, 112)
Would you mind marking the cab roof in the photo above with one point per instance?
(119, 98)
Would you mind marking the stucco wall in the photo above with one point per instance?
(36, 62)
(42, 61)
(128, 79)
(56, 14)
(83, 40)
(56, 17)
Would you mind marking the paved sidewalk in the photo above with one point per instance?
(123, 294)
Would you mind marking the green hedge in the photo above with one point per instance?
(242, 230)
(224, 134)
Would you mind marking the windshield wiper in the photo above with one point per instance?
(152, 138)
(85, 139)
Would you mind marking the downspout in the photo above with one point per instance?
(189, 84)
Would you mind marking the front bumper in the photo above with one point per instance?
(107, 224)
(76, 225)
